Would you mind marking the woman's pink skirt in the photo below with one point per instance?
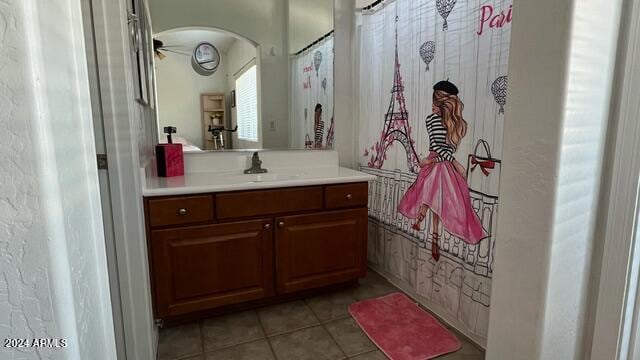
(446, 193)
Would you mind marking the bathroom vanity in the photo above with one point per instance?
(221, 239)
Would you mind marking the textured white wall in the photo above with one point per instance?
(586, 115)
(559, 80)
(531, 148)
(53, 277)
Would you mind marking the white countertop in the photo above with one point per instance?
(204, 182)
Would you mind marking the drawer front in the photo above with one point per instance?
(346, 195)
(180, 210)
(265, 202)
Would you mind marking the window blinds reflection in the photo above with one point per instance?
(247, 105)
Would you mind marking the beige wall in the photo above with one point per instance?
(308, 21)
(345, 92)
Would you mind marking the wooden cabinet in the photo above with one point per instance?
(200, 267)
(320, 249)
(213, 250)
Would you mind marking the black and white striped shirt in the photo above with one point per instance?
(318, 134)
(438, 139)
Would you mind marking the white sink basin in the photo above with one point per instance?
(259, 178)
(270, 177)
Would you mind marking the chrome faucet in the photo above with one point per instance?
(256, 165)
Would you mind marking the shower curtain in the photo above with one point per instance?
(312, 84)
(405, 47)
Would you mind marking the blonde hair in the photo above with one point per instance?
(451, 112)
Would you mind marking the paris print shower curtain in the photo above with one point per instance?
(406, 48)
(312, 96)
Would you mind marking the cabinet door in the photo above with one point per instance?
(320, 249)
(203, 267)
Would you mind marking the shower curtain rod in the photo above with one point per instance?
(371, 6)
(315, 42)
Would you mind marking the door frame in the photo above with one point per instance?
(616, 303)
(103, 177)
(121, 117)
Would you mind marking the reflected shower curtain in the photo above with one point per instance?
(404, 48)
(312, 89)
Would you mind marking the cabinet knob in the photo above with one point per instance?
(182, 211)
(267, 226)
(281, 223)
(349, 196)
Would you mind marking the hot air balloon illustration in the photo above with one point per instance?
(427, 52)
(444, 8)
(317, 60)
(499, 91)
(324, 85)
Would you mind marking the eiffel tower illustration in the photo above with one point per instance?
(396, 124)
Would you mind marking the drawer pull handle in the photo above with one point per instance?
(349, 196)
(281, 223)
(267, 226)
(182, 212)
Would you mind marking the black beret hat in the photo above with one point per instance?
(446, 86)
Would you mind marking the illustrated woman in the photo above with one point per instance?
(441, 185)
(318, 127)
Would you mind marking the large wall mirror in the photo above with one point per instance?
(244, 74)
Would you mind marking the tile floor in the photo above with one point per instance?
(310, 329)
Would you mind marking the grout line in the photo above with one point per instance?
(336, 319)
(264, 331)
(264, 337)
(201, 326)
(327, 330)
(297, 329)
(187, 356)
(323, 325)
(311, 309)
(368, 352)
(235, 344)
(293, 330)
(335, 341)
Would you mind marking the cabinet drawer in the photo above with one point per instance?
(346, 195)
(180, 210)
(265, 202)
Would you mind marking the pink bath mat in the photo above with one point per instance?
(401, 329)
